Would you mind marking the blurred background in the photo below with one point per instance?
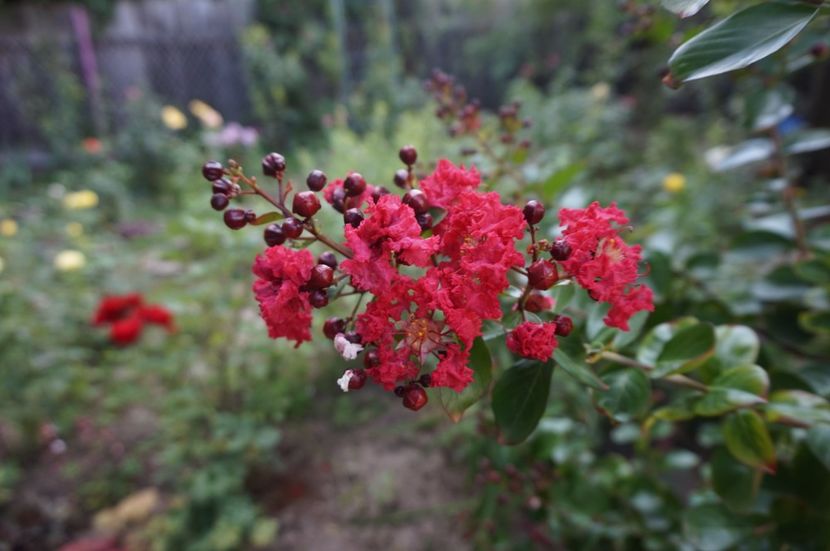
(203, 434)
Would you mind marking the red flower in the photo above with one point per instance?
(447, 182)
(536, 341)
(286, 310)
(126, 331)
(537, 302)
(158, 315)
(115, 307)
(388, 235)
(602, 263)
(452, 371)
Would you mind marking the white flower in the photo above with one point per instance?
(348, 350)
(343, 381)
(69, 261)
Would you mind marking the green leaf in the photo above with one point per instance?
(654, 341)
(797, 408)
(456, 403)
(687, 347)
(747, 438)
(815, 322)
(635, 327)
(736, 345)
(713, 527)
(807, 141)
(818, 440)
(578, 370)
(267, 218)
(740, 40)
(519, 399)
(741, 386)
(562, 294)
(628, 394)
(745, 153)
(684, 8)
(734, 482)
(557, 181)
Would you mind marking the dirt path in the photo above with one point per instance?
(379, 483)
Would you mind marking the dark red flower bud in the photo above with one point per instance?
(564, 325)
(534, 211)
(416, 199)
(424, 220)
(292, 228)
(273, 164)
(333, 326)
(354, 337)
(223, 186)
(250, 216)
(318, 298)
(353, 217)
(219, 201)
(235, 219)
(560, 250)
(401, 177)
(328, 259)
(322, 276)
(354, 184)
(379, 192)
(338, 198)
(371, 359)
(357, 380)
(316, 180)
(408, 155)
(414, 397)
(542, 274)
(306, 204)
(273, 235)
(213, 170)
(399, 391)
(425, 380)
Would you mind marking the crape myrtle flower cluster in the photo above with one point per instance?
(126, 316)
(432, 265)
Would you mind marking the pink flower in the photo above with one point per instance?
(447, 182)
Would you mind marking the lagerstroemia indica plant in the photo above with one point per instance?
(427, 269)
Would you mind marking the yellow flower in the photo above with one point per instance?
(69, 261)
(674, 182)
(8, 227)
(173, 118)
(209, 116)
(600, 91)
(74, 229)
(77, 200)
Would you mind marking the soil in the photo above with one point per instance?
(382, 483)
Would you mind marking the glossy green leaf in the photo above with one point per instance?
(797, 408)
(818, 440)
(684, 8)
(560, 179)
(456, 403)
(747, 438)
(519, 399)
(687, 347)
(735, 388)
(742, 154)
(562, 294)
(654, 341)
(740, 40)
(736, 345)
(578, 369)
(628, 394)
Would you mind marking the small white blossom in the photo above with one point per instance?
(348, 350)
(343, 381)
